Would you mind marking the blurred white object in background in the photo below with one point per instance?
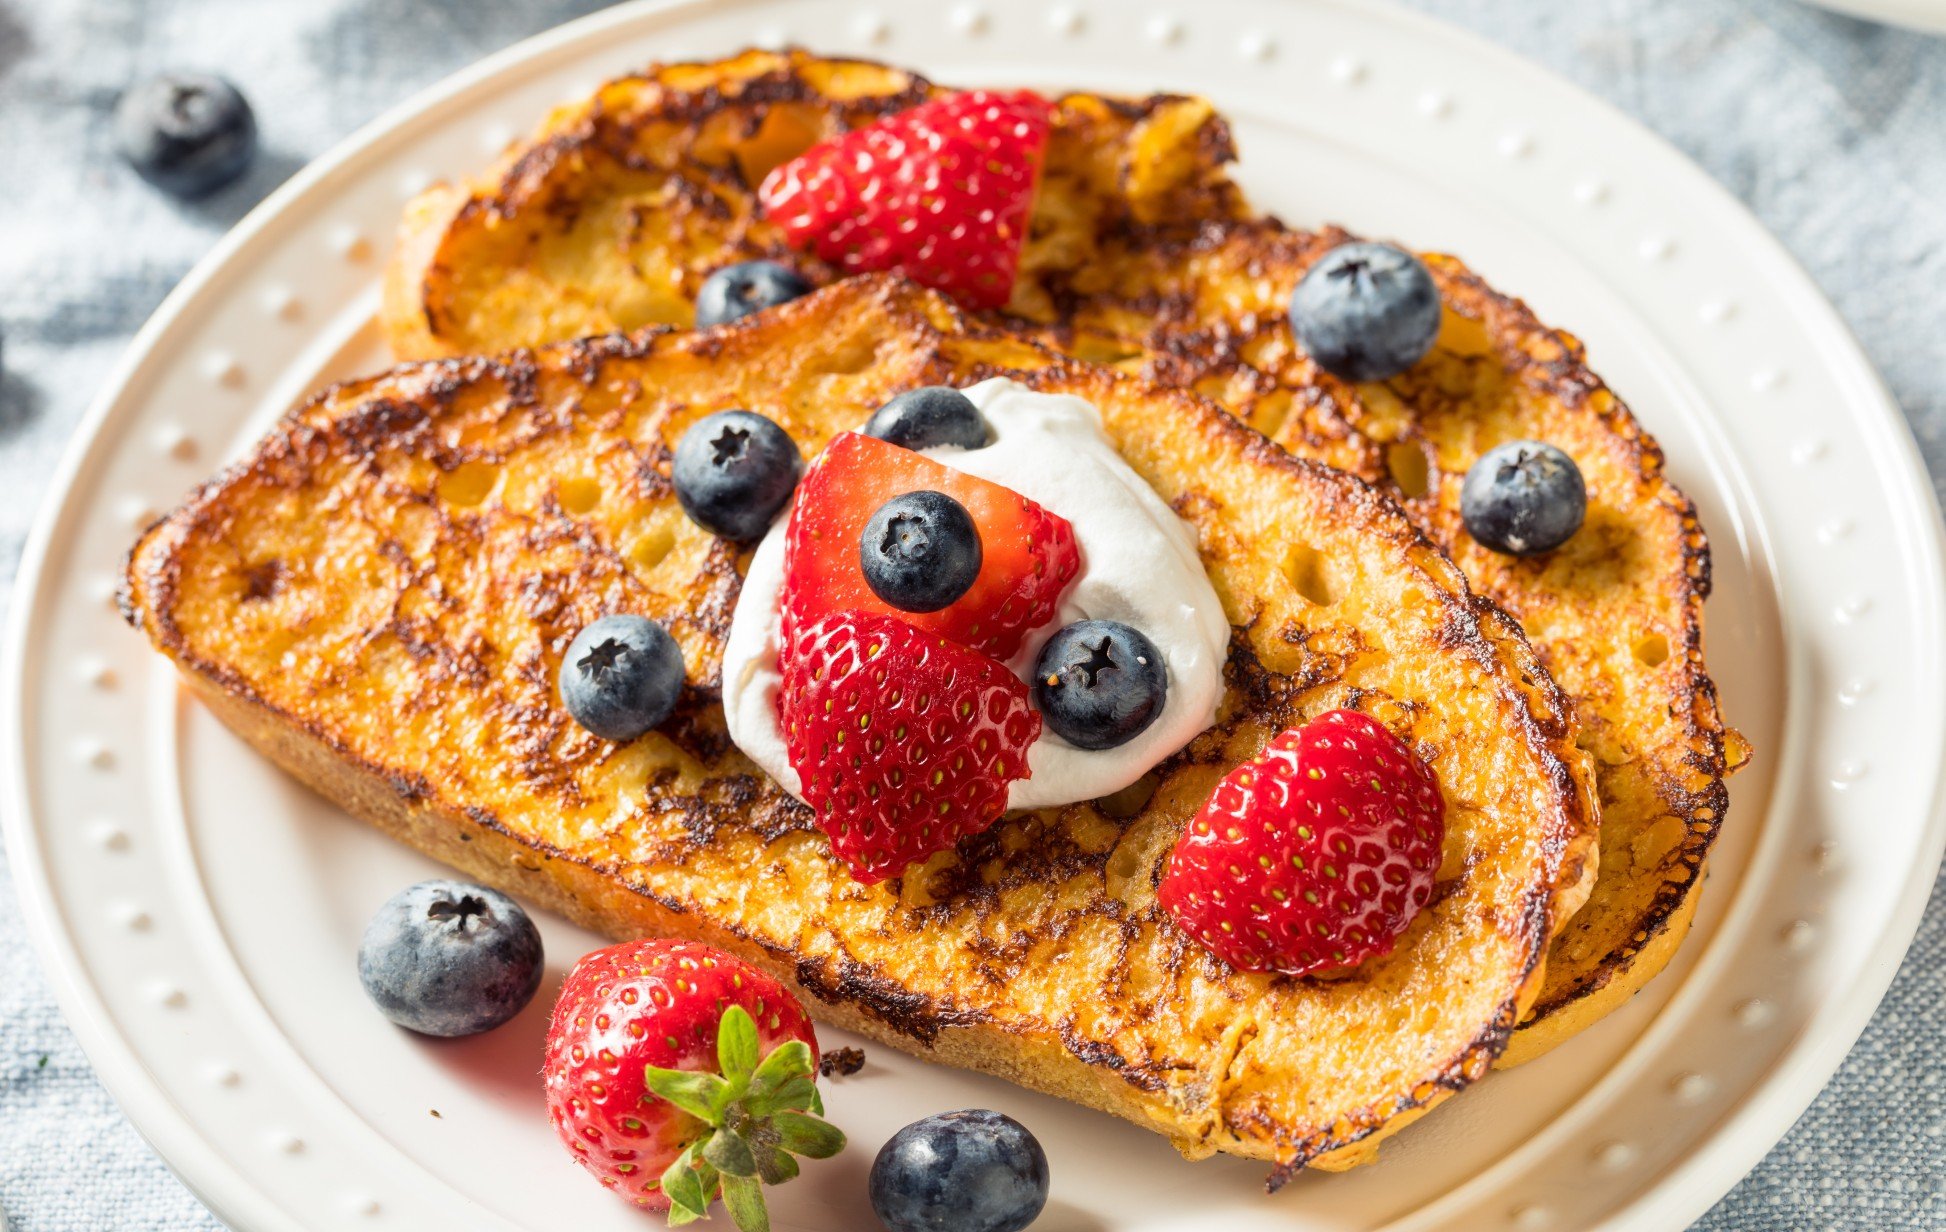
(1926, 15)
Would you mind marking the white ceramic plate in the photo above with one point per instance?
(198, 912)
(1927, 15)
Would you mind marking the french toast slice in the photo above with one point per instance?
(379, 595)
(1143, 254)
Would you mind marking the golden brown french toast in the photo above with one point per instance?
(379, 595)
(1144, 255)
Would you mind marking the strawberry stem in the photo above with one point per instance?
(761, 1111)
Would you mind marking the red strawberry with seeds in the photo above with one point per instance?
(941, 192)
(1315, 855)
(1028, 555)
(677, 1073)
(905, 741)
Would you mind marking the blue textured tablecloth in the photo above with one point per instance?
(1832, 130)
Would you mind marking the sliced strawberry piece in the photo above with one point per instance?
(905, 742)
(1028, 555)
(941, 192)
(1315, 855)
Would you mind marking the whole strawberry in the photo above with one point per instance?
(905, 742)
(942, 192)
(678, 1074)
(1315, 855)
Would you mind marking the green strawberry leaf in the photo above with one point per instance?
(764, 1112)
(788, 1060)
(807, 1135)
(775, 1165)
(736, 1044)
(743, 1197)
(786, 1069)
(699, 1094)
(708, 1177)
(682, 1183)
(731, 1154)
(797, 1093)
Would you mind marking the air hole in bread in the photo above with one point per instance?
(848, 358)
(787, 130)
(1410, 468)
(1305, 566)
(577, 495)
(1105, 351)
(1652, 650)
(1128, 863)
(1130, 800)
(263, 580)
(468, 484)
(1269, 413)
(651, 547)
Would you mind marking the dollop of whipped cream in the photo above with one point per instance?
(1139, 565)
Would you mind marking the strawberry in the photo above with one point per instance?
(1028, 555)
(941, 192)
(905, 741)
(1315, 855)
(677, 1073)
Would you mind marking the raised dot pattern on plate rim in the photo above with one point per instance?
(973, 20)
(353, 245)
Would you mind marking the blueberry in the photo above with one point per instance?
(1523, 498)
(1366, 312)
(920, 552)
(188, 134)
(447, 958)
(971, 1171)
(621, 676)
(746, 287)
(1099, 683)
(927, 416)
(734, 471)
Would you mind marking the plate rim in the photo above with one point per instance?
(1682, 1192)
(216, 1181)
(1685, 1192)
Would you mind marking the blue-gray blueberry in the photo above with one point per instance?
(188, 134)
(1100, 683)
(738, 290)
(734, 472)
(621, 676)
(448, 958)
(927, 416)
(1366, 311)
(970, 1171)
(1523, 498)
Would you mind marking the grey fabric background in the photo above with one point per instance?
(1832, 130)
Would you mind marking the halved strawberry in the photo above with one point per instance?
(905, 742)
(1028, 555)
(941, 192)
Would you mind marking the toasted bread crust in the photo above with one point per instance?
(1616, 614)
(1143, 254)
(379, 595)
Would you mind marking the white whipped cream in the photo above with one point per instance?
(1139, 565)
